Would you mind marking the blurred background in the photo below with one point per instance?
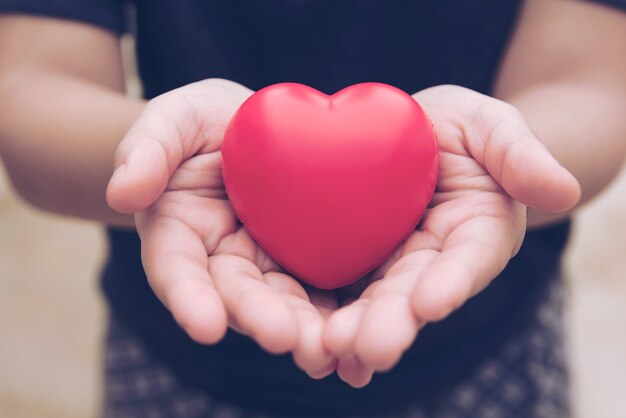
(52, 316)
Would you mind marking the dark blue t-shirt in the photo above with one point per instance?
(328, 45)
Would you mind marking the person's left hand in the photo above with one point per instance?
(491, 165)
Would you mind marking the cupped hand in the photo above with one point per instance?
(491, 167)
(199, 260)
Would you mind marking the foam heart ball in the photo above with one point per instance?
(329, 186)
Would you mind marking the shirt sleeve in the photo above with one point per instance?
(107, 14)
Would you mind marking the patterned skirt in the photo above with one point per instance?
(527, 378)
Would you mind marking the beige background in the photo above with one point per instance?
(52, 315)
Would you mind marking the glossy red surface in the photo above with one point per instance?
(329, 186)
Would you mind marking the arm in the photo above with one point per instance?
(566, 72)
(63, 113)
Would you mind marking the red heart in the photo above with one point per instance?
(329, 186)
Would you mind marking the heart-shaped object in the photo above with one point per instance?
(330, 186)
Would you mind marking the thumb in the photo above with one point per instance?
(172, 128)
(498, 136)
(145, 159)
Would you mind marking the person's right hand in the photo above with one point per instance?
(199, 260)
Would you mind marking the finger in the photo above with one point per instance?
(389, 326)
(352, 371)
(309, 354)
(175, 262)
(499, 137)
(342, 327)
(171, 128)
(473, 254)
(255, 308)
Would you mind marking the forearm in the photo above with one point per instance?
(582, 123)
(58, 134)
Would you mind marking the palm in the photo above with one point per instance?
(470, 231)
(260, 299)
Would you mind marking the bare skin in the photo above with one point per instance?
(63, 114)
(211, 275)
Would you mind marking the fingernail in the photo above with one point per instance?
(119, 172)
(325, 371)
